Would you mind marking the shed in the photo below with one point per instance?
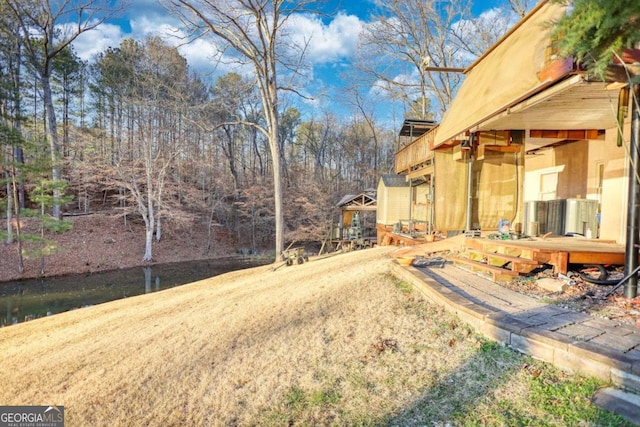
(357, 204)
(393, 199)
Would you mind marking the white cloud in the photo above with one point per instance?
(97, 40)
(326, 43)
(143, 26)
(330, 43)
(201, 53)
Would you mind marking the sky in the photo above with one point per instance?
(333, 39)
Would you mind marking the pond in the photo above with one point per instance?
(30, 299)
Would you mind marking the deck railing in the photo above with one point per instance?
(416, 153)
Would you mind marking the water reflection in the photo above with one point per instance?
(29, 299)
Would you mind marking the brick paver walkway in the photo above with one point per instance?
(575, 342)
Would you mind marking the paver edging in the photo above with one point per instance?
(571, 362)
(563, 351)
(439, 293)
(626, 380)
(602, 354)
(550, 338)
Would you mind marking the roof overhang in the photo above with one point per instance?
(504, 76)
(415, 128)
(359, 202)
(420, 173)
(574, 103)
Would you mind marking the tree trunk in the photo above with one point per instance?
(209, 228)
(9, 211)
(54, 146)
(42, 243)
(18, 229)
(158, 226)
(148, 241)
(149, 223)
(17, 119)
(277, 184)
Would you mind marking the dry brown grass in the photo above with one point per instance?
(336, 341)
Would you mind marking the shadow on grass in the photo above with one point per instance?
(455, 396)
(498, 386)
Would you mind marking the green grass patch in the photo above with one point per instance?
(541, 395)
(324, 397)
(400, 284)
(568, 398)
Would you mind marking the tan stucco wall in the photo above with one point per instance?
(613, 204)
(577, 165)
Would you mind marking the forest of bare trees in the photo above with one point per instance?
(136, 132)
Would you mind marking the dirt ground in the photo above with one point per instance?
(101, 242)
(585, 296)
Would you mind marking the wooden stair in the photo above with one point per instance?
(500, 261)
(498, 274)
(516, 263)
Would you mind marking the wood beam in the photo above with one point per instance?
(575, 134)
(556, 69)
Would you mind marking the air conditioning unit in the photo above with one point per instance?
(535, 217)
(556, 216)
(580, 216)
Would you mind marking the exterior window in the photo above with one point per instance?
(548, 186)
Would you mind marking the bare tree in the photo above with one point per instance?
(521, 7)
(253, 33)
(159, 80)
(415, 50)
(362, 108)
(477, 34)
(405, 38)
(46, 28)
(229, 104)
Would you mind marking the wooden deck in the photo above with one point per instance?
(387, 237)
(505, 259)
(522, 256)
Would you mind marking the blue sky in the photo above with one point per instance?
(333, 37)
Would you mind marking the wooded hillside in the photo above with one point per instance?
(138, 129)
(136, 132)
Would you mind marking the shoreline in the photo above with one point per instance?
(102, 242)
(140, 265)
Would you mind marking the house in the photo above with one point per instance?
(404, 201)
(525, 127)
(531, 140)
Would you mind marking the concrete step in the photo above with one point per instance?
(620, 402)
